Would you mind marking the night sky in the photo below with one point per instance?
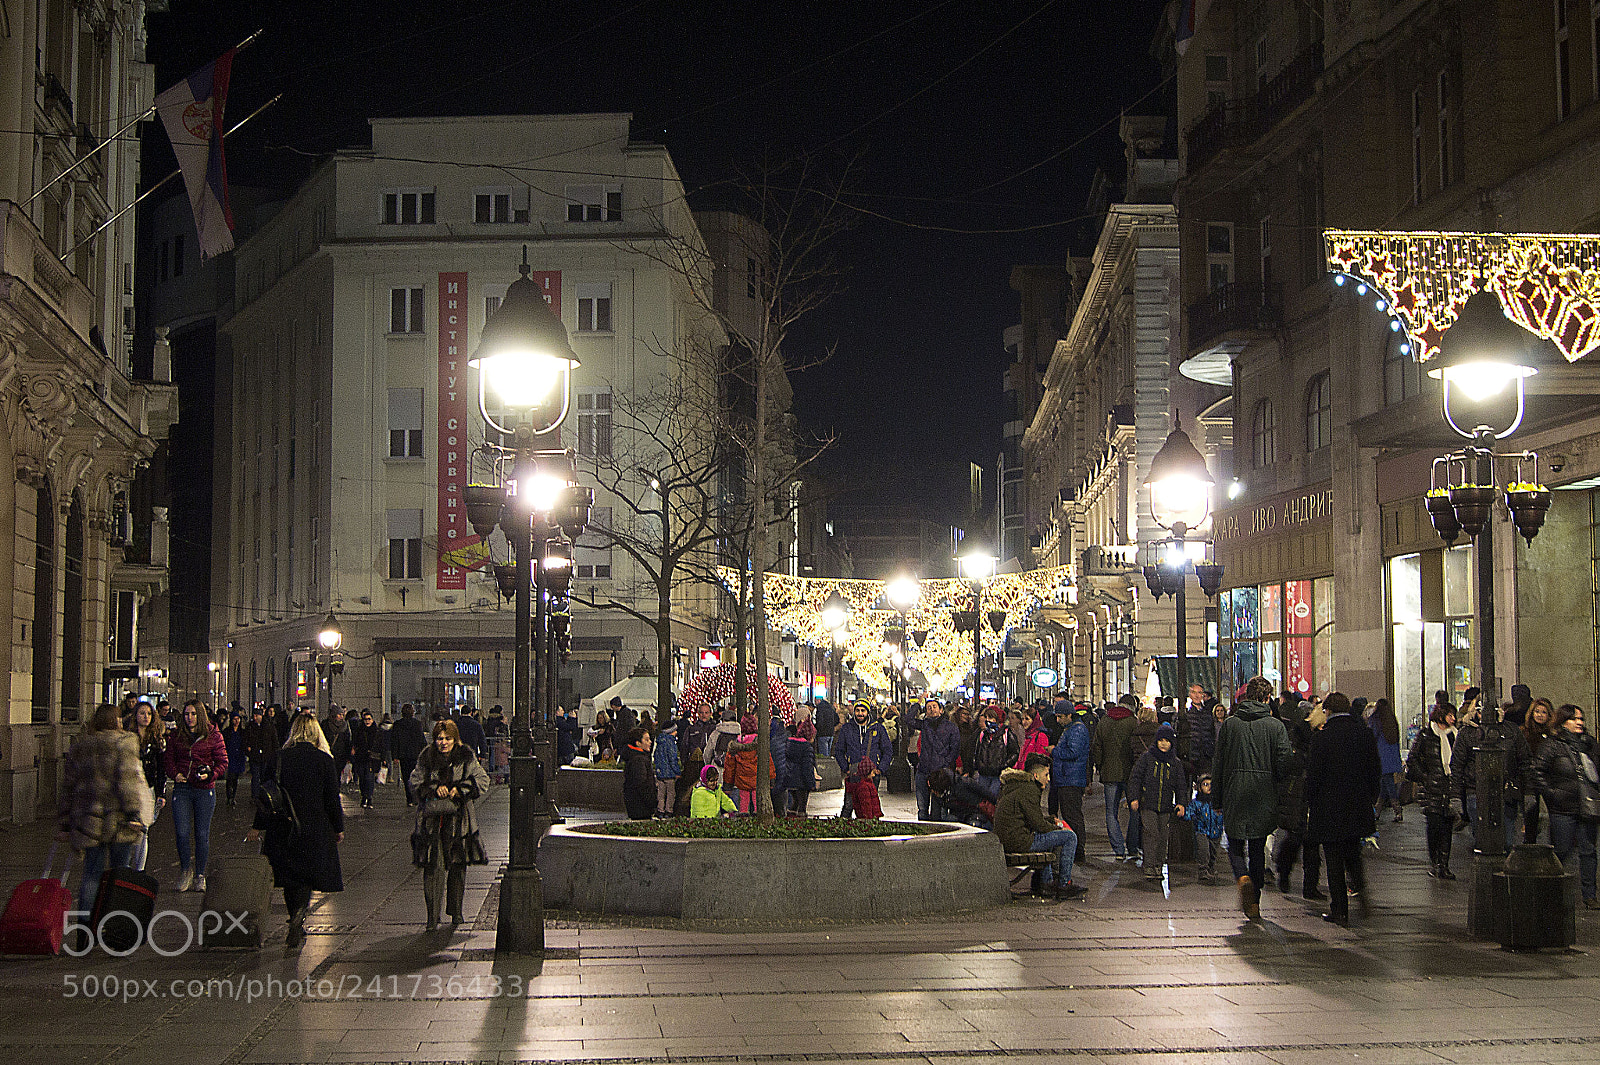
(936, 107)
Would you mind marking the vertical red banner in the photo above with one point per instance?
(453, 450)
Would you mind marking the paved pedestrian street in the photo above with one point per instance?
(1126, 975)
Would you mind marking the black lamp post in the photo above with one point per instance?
(1480, 356)
(835, 615)
(330, 638)
(977, 566)
(1180, 501)
(525, 358)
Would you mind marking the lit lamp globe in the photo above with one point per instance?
(522, 354)
(1180, 485)
(834, 612)
(1482, 354)
(904, 593)
(978, 563)
(330, 637)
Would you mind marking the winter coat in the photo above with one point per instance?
(968, 746)
(668, 764)
(459, 769)
(996, 748)
(709, 802)
(1069, 764)
(1111, 750)
(965, 802)
(1292, 786)
(853, 742)
(338, 736)
(1464, 759)
(233, 742)
(826, 718)
(205, 752)
(740, 764)
(1207, 819)
(309, 858)
(1251, 762)
(367, 745)
(639, 775)
(1158, 781)
(1558, 772)
(1342, 773)
(941, 744)
(1140, 739)
(1035, 741)
(407, 740)
(261, 743)
(153, 760)
(697, 737)
(1017, 816)
(778, 744)
(800, 765)
(1425, 768)
(104, 790)
(1389, 760)
(1202, 733)
(472, 733)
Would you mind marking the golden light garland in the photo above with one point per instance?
(1547, 283)
(794, 604)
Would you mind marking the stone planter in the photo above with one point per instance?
(753, 880)
(589, 789)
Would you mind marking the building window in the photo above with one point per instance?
(405, 545)
(407, 207)
(594, 203)
(591, 556)
(1402, 376)
(594, 308)
(491, 206)
(1281, 631)
(405, 310)
(1416, 146)
(1264, 435)
(594, 422)
(1319, 414)
(493, 295)
(1219, 81)
(405, 423)
(1445, 171)
(1266, 251)
(1219, 255)
(311, 570)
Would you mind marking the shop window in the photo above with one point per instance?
(1264, 435)
(1431, 629)
(1282, 631)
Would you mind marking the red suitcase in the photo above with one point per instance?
(35, 917)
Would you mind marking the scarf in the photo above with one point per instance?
(1446, 738)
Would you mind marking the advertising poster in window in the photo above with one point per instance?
(453, 449)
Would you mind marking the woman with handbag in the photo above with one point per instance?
(303, 840)
(1565, 774)
(150, 733)
(105, 806)
(197, 758)
(449, 781)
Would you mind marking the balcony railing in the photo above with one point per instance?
(1232, 124)
(1242, 305)
(1290, 87)
(1224, 126)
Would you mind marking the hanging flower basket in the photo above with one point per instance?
(1528, 504)
(1473, 504)
(1443, 515)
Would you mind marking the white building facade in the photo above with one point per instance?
(348, 418)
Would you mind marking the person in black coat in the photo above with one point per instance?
(1559, 769)
(569, 733)
(799, 777)
(639, 777)
(1343, 773)
(1428, 769)
(304, 857)
(1297, 719)
(407, 741)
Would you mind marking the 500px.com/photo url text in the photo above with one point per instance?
(347, 988)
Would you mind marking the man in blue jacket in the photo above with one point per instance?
(861, 738)
(940, 746)
(1069, 766)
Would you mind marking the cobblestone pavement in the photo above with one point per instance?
(1126, 975)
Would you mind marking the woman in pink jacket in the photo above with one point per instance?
(1036, 739)
(197, 757)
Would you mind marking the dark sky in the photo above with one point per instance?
(931, 102)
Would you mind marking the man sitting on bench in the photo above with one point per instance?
(1022, 825)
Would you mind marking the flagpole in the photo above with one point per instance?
(92, 152)
(147, 193)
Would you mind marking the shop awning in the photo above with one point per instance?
(1202, 671)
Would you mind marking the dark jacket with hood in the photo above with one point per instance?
(853, 742)
(1342, 774)
(1069, 764)
(1111, 749)
(1017, 816)
(1202, 734)
(941, 743)
(1158, 781)
(1558, 770)
(1252, 761)
(1428, 770)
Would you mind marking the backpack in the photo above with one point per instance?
(278, 808)
(991, 752)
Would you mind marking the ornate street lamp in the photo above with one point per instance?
(330, 638)
(525, 360)
(1180, 501)
(977, 566)
(1480, 356)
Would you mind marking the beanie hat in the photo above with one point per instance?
(1168, 733)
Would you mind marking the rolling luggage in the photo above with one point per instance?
(122, 909)
(238, 898)
(35, 918)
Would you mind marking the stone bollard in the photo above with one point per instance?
(1540, 899)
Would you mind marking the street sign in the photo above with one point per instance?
(1118, 652)
(1045, 677)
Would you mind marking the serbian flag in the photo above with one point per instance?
(192, 112)
(1189, 14)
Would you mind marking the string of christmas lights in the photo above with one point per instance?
(1547, 283)
(794, 605)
